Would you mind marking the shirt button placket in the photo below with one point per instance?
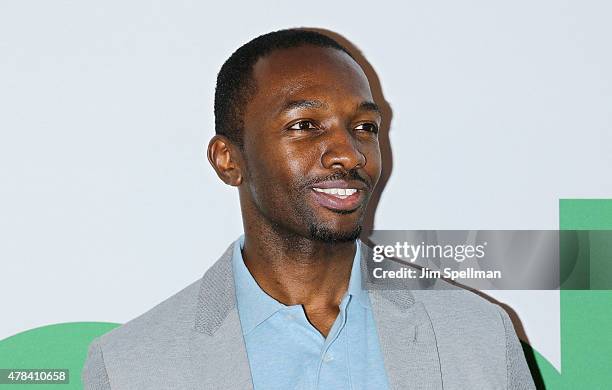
(328, 358)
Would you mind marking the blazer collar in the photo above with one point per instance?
(217, 296)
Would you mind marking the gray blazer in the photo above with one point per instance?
(437, 338)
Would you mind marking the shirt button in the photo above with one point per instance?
(328, 358)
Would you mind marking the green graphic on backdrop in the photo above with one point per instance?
(54, 346)
(586, 324)
(586, 316)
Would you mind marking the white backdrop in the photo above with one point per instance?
(108, 206)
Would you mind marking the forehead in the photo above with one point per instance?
(308, 72)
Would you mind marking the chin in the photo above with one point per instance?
(331, 235)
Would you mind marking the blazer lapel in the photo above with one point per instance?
(217, 345)
(405, 332)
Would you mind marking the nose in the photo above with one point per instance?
(342, 151)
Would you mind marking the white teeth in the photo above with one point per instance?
(337, 191)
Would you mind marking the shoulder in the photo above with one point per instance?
(166, 320)
(447, 301)
(157, 348)
(480, 332)
(138, 343)
(174, 318)
(473, 334)
(444, 302)
(477, 333)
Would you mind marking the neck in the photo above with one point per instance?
(297, 270)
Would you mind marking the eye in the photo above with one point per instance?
(369, 127)
(303, 125)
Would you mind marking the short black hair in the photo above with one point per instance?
(235, 84)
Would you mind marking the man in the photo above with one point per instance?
(287, 306)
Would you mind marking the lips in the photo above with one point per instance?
(339, 195)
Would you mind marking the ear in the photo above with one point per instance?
(225, 159)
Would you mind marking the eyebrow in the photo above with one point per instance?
(369, 106)
(295, 104)
(307, 103)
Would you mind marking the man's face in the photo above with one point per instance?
(311, 143)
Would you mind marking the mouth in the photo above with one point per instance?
(340, 196)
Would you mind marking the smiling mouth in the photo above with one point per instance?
(340, 193)
(341, 200)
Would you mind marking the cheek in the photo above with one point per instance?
(299, 163)
(275, 174)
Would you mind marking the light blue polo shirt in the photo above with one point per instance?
(286, 352)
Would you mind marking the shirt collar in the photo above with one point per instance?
(255, 306)
(355, 287)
